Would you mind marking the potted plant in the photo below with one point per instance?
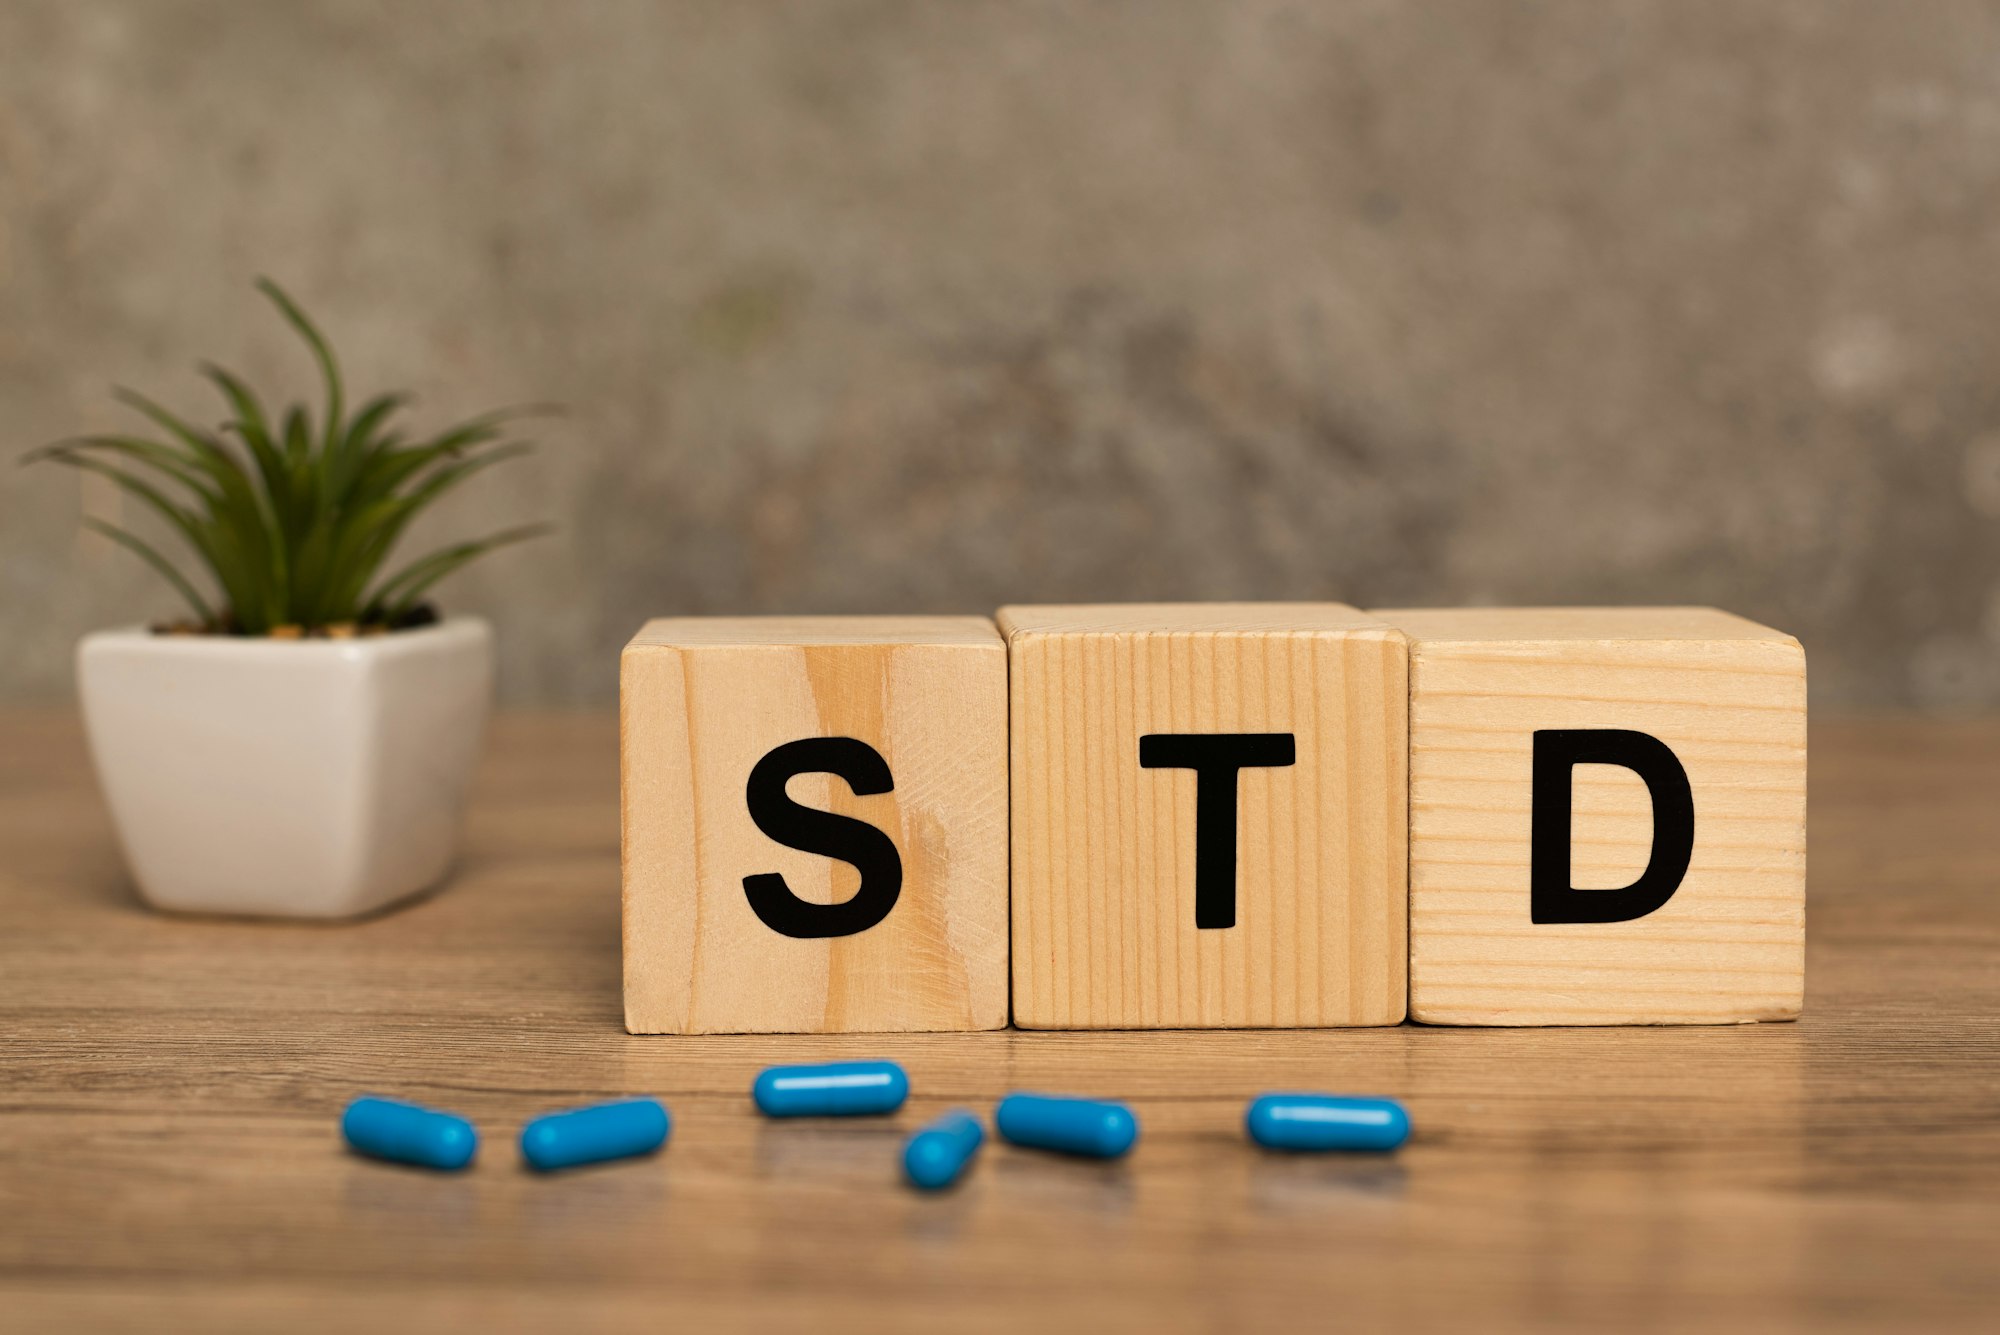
(300, 745)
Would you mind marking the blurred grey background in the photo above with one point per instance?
(869, 306)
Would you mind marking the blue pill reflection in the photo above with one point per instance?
(936, 1155)
(833, 1089)
(1326, 1122)
(592, 1135)
(1073, 1126)
(407, 1133)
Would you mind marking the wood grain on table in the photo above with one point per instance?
(169, 1091)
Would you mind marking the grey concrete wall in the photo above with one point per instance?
(865, 306)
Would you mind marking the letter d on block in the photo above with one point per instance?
(1558, 751)
(1505, 702)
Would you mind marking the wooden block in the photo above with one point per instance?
(1129, 725)
(891, 838)
(1512, 709)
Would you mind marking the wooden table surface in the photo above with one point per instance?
(169, 1092)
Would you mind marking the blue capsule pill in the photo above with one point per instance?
(1326, 1122)
(1074, 1126)
(591, 1135)
(385, 1129)
(834, 1089)
(936, 1155)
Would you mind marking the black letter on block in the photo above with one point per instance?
(872, 852)
(1215, 757)
(1551, 897)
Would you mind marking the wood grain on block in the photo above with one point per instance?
(702, 702)
(1105, 852)
(1726, 697)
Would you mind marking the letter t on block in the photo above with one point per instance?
(1209, 816)
(1607, 816)
(815, 824)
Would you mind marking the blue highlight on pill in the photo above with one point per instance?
(1326, 1122)
(936, 1155)
(1073, 1126)
(619, 1130)
(407, 1133)
(832, 1089)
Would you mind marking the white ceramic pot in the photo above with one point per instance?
(297, 779)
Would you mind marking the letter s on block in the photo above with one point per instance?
(871, 852)
(1552, 897)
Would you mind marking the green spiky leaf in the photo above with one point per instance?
(294, 514)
